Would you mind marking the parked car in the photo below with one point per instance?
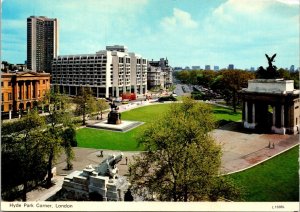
(167, 98)
(125, 101)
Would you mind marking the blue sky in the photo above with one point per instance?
(187, 32)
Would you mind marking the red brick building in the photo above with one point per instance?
(22, 90)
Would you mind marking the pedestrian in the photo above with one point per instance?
(273, 146)
(126, 159)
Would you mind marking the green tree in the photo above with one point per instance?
(182, 160)
(69, 140)
(183, 76)
(58, 120)
(172, 88)
(206, 78)
(233, 81)
(101, 106)
(85, 102)
(23, 155)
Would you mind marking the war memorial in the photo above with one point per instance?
(271, 105)
(99, 183)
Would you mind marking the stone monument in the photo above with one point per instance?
(114, 117)
(270, 104)
(100, 183)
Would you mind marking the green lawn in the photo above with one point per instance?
(102, 139)
(274, 180)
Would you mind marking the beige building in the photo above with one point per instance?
(159, 74)
(42, 43)
(108, 73)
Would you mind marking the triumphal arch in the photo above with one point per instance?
(271, 105)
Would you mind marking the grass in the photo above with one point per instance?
(274, 180)
(226, 114)
(103, 139)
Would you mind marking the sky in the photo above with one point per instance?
(187, 32)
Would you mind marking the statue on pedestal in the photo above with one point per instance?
(271, 72)
(114, 117)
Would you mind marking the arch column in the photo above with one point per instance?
(274, 117)
(282, 115)
(253, 113)
(248, 125)
(281, 129)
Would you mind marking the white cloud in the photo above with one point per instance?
(290, 1)
(179, 19)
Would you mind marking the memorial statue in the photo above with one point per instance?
(270, 60)
(271, 71)
(114, 117)
(108, 166)
(113, 106)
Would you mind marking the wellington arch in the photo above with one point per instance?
(271, 105)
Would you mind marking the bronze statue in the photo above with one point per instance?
(271, 71)
(113, 106)
(270, 60)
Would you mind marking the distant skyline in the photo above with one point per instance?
(187, 32)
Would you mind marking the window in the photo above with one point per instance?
(1, 84)
(9, 83)
(44, 81)
(2, 99)
(10, 106)
(39, 93)
(2, 107)
(9, 96)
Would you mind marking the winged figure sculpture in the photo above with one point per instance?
(270, 60)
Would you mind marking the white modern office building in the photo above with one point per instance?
(109, 73)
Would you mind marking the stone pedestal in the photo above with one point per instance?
(114, 117)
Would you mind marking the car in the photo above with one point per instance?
(167, 98)
(125, 101)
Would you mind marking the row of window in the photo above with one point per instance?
(2, 84)
(80, 58)
(55, 62)
(9, 95)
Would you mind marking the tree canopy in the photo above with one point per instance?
(23, 156)
(85, 102)
(182, 160)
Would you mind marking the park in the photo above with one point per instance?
(257, 182)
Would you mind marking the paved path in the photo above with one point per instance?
(243, 148)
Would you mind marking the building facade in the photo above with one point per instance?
(271, 105)
(230, 67)
(22, 90)
(160, 74)
(207, 67)
(42, 43)
(109, 73)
